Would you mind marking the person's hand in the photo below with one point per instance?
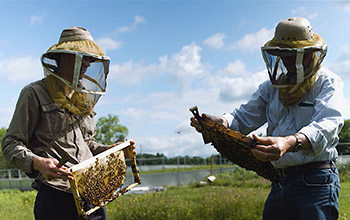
(194, 122)
(49, 169)
(126, 152)
(274, 147)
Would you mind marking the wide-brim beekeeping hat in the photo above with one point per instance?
(89, 79)
(294, 39)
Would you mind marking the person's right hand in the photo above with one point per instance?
(125, 149)
(194, 122)
(49, 169)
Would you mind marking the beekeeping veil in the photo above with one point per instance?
(76, 71)
(293, 57)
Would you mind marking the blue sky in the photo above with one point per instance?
(166, 56)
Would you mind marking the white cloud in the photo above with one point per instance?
(181, 68)
(252, 42)
(139, 114)
(167, 112)
(108, 44)
(345, 49)
(302, 12)
(236, 68)
(344, 5)
(346, 110)
(231, 82)
(36, 19)
(216, 41)
(342, 65)
(248, 43)
(160, 121)
(168, 115)
(132, 73)
(190, 144)
(185, 66)
(233, 89)
(21, 69)
(187, 60)
(137, 20)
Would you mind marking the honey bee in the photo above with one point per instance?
(101, 180)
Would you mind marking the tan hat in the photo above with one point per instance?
(75, 34)
(295, 32)
(295, 28)
(76, 39)
(88, 85)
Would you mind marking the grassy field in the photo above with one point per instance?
(16, 205)
(228, 198)
(344, 201)
(209, 202)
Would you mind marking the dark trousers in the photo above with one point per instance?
(53, 204)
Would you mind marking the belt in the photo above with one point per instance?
(306, 169)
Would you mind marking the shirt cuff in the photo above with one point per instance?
(231, 122)
(229, 118)
(28, 167)
(317, 140)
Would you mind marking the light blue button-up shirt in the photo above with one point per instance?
(317, 115)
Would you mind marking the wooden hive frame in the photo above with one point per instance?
(78, 199)
(235, 147)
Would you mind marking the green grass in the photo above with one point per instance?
(16, 205)
(210, 202)
(344, 201)
(228, 197)
(240, 178)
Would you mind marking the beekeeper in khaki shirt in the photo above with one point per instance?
(54, 117)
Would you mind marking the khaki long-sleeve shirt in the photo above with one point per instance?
(40, 127)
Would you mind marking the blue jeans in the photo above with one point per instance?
(305, 197)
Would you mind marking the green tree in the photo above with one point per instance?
(109, 131)
(3, 163)
(2, 134)
(344, 136)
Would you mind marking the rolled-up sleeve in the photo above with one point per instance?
(327, 120)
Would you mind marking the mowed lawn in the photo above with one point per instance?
(241, 201)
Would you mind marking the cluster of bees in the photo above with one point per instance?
(100, 181)
(236, 148)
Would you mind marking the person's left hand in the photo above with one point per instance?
(218, 119)
(273, 149)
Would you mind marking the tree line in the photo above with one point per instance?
(159, 159)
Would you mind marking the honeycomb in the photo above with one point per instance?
(98, 181)
(235, 147)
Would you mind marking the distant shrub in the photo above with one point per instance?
(344, 172)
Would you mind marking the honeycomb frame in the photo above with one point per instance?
(235, 147)
(95, 182)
